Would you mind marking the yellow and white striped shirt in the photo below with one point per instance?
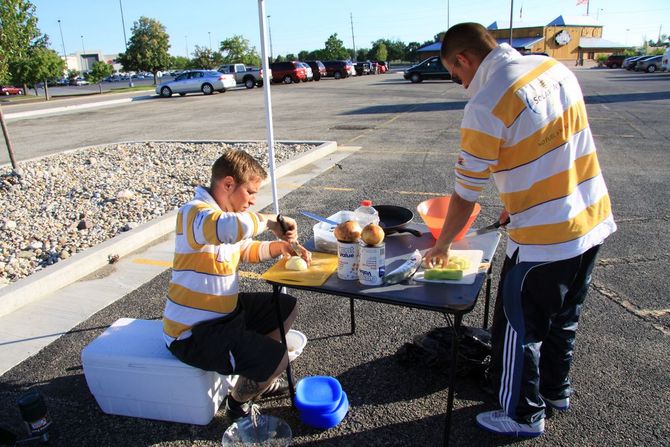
(209, 246)
(526, 126)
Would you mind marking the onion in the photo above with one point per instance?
(349, 231)
(296, 263)
(372, 234)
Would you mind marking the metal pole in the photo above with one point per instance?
(268, 105)
(62, 41)
(353, 41)
(10, 148)
(83, 47)
(511, 18)
(186, 39)
(210, 41)
(270, 35)
(447, 14)
(125, 41)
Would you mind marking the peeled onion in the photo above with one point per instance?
(349, 231)
(296, 263)
(372, 234)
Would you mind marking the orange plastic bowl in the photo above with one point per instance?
(434, 212)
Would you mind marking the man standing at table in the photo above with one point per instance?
(207, 322)
(525, 126)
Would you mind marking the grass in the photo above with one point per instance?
(137, 88)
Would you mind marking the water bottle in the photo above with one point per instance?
(366, 214)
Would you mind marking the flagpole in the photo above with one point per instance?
(588, 2)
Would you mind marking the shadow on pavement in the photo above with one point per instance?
(395, 108)
(627, 97)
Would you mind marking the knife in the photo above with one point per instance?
(294, 245)
(319, 218)
(494, 226)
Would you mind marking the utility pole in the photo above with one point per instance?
(125, 41)
(186, 39)
(10, 148)
(270, 35)
(511, 17)
(658, 42)
(62, 41)
(353, 41)
(83, 47)
(210, 41)
(447, 14)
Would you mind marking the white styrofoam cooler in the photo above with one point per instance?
(131, 372)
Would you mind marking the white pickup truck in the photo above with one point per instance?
(250, 77)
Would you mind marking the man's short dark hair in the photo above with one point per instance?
(470, 37)
(239, 165)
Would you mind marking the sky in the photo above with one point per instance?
(307, 24)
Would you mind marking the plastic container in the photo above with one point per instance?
(434, 212)
(366, 213)
(327, 420)
(318, 394)
(268, 431)
(130, 372)
(295, 341)
(324, 239)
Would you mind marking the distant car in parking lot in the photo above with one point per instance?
(615, 60)
(633, 62)
(318, 69)
(430, 68)
(650, 64)
(338, 69)
(194, 81)
(7, 90)
(78, 81)
(288, 72)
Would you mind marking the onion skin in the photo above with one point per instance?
(349, 231)
(372, 234)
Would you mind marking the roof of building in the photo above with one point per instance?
(596, 43)
(521, 42)
(431, 47)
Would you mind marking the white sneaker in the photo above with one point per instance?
(498, 422)
(558, 404)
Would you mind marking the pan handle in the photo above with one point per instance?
(416, 233)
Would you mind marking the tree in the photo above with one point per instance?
(303, 56)
(179, 63)
(362, 54)
(334, 49)
(411, 53)
(290, 57)
(148, 48)
(439, 36)
(100, 71)
(379, 53)
(238, 50)
(18, 31)
(203, 57)
(39, 65)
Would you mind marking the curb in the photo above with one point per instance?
(63, 273)
(61, 109)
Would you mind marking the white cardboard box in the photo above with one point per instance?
(131, 372)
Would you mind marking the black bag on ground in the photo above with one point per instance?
(433, 350)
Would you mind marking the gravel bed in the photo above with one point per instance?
(66, 203)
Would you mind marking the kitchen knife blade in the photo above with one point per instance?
(487, 229)
(319, 218)
(294, 245)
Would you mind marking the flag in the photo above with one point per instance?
(582, 2)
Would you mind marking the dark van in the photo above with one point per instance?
(430, 68)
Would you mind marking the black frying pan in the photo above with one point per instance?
(394, 219)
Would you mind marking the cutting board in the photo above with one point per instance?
(469, 275)
(323, 265)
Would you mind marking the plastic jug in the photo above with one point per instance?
(366, 213)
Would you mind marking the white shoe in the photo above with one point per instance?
(498, 422)
(558, 404)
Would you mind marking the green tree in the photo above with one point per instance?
(39, 65)
(18, 33)
(380, 53)
(179, 63)
(100, 71)
(73, 74)
(303, 56)
(148, 48)
(203, 57)
(362, 54)
(334, 49)
(439, 36)
(411, 51)
(291, 57)
(238, 50)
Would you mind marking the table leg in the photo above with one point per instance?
(276, 291)
(487, 301)
(458, 318)
(353, 317)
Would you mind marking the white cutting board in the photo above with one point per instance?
(469, 275)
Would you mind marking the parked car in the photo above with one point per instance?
(430, 68)
(650, 64)
(318, 69)
(665, 61)
(362, 68)
(383, 67)
(615, 60)
(631, 64)
(7, 90)
(628, 60)
(78, 81)
(309, 74)
(249, 76)
(193, 81)
(288, 72)
(338, 69)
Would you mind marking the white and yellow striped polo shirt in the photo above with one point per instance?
(526, 126)
(209, 245)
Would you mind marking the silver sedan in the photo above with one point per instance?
(193, 81)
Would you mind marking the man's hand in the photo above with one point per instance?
(287, 250)
(436, 257)
(285, 228)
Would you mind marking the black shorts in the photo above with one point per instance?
(237, 343)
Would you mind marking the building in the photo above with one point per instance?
(564, 38)
(83, 61)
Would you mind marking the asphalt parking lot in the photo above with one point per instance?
(409, 139)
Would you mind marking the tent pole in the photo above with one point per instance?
(268, 104)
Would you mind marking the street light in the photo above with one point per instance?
(210, 41)
(186, 39)
(62, 41)
(125, 40)
(270, 35)
(83, 47)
